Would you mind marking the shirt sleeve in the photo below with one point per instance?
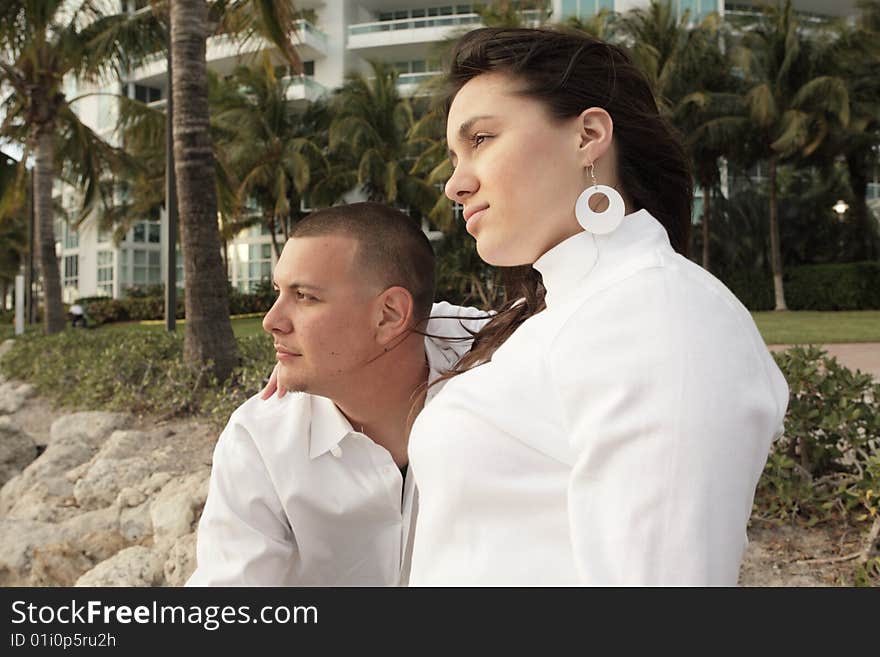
(244, 537)
(669, 408)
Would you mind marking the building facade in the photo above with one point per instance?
(335, 38)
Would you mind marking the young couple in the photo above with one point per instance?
(608, 426)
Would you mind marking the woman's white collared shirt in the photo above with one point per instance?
(297, 497)
(616, 438)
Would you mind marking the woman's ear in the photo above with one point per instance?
(394, 314)
(596, 129)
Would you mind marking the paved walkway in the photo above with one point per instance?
(864, 356)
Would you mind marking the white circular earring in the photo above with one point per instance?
(599, 223)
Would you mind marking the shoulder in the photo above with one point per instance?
(268, 426)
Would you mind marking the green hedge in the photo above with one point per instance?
(104, 310)
(848, 286)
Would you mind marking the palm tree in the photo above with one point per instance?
(44, 41)
(271, 146)
(208, 335)
(687, 66)
(369, 129)
(786, 112)
(853, 54)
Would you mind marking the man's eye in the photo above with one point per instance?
(302, 296)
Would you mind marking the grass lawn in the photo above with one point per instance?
(792, 327)
(242, 327)
(812, 327)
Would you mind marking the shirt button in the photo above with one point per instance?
(336, 451)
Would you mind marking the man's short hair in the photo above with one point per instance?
(391, 247)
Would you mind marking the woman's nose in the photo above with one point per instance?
(460, 185)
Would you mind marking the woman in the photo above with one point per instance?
(610, 426)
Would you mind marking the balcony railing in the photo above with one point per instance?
(415, 24)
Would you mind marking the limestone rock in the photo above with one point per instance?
(135, 523)
(18, 539)
(106, 477)
(17, 450)
(181, 561)
(175, 508)
(13, 394)
(52, 464)
(87, 427)
(133, 566)
(123, 445)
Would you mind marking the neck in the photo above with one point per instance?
(379, 403)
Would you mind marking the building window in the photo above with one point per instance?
(71, 237)
(105, 273)
(146, 268)
(584, 9)
(255, 265)
(71, 271)
(147, 94)
(146, 232)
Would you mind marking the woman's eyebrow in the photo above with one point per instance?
(464, 131)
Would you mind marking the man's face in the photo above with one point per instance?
(323, 319)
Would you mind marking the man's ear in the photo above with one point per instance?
(395, 314)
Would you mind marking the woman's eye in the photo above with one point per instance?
(302, 296)
(478, 139)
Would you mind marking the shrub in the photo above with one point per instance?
(848, 286)
(137, 371)
(829, 459)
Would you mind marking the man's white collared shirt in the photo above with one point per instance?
(297, 497)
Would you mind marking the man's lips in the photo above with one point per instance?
(281, 352)
(470, 212)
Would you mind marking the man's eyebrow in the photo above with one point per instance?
(465, 129)
(299, 286)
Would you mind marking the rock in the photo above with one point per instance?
(58, 564)
(156, 482)
(51, 464)
(87, 427)
(13, 395)
(18, 539)
(123, 445)
(130, 497)
(74, 440)
(49, 500)
(106, 477)
(133, 566)
(17, 450)
(181, 561)
(5, 348)
(135, 523)
(175, 508)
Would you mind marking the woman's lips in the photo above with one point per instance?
(472, 220)
(284, 354)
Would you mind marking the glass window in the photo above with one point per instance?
(71, 271)
(154, 232)
(105, 273)
(463, 9)
(71, 237)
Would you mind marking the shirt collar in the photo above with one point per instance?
(328, 426)
(564, 267)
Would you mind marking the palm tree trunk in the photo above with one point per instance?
(775, 249)
(44, 174)
(208, 334)
(707, 206)
(858, 164)
(274, 236)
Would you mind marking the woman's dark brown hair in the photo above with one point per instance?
(570, 72)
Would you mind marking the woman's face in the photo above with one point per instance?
(518, 171)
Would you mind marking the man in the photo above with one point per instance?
(310, 489)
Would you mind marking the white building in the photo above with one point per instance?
(343, 35)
